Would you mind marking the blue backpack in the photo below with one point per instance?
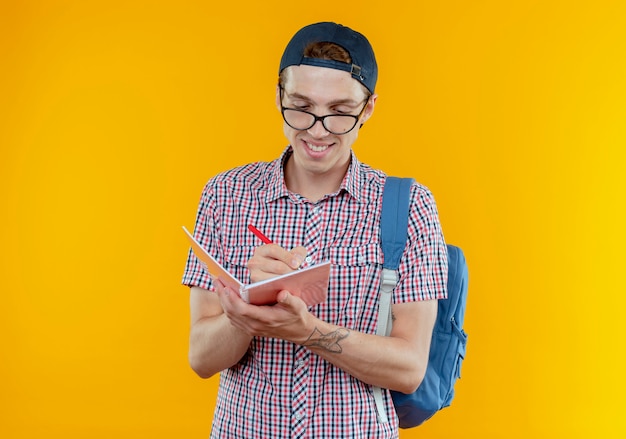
(447, 348)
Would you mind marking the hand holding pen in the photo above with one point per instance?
(293, 259)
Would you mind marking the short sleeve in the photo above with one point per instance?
(205, 232)
(423, 271)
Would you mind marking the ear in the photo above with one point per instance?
(278, 103)
(369, 110)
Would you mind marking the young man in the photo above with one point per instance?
(289, 370)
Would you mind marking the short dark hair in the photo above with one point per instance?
(326, 50)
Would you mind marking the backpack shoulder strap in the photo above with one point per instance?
(394, 219)
(394, 232)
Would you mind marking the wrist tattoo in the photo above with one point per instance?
(329, 341)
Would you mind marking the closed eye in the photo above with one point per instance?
(300, 104)
(344, 111)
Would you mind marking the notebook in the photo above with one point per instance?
(310, 283)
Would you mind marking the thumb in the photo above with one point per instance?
(284, 298)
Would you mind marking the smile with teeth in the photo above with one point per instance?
(316, 148)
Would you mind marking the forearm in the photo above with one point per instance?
(215, 345)
(388, 362)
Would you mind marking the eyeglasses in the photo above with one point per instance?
(333, 123)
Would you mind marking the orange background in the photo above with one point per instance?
(113, 114)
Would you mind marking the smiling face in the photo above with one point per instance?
(320, 159)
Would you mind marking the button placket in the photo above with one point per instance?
(299, 401)
(313, 233)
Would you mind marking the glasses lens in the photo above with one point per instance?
(298, 120)
(339, 124)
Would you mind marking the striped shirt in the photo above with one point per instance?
(279, 389)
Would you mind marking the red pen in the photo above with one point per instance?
(259, 235)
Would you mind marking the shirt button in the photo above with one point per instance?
(308, 259)
(298, 416)
(299, 363)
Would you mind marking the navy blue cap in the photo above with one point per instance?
(363, 67)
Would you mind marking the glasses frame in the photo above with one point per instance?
(322, 118)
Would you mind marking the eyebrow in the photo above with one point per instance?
(334, 102)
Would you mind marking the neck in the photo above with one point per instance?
(311, 185)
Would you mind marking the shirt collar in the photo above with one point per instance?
(352, 182)
(276, 175)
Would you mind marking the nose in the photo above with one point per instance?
(317, 130)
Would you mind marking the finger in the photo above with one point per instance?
(217, 285)
(222, 295)
(228, 297)
(272, 259)
(297, 256)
